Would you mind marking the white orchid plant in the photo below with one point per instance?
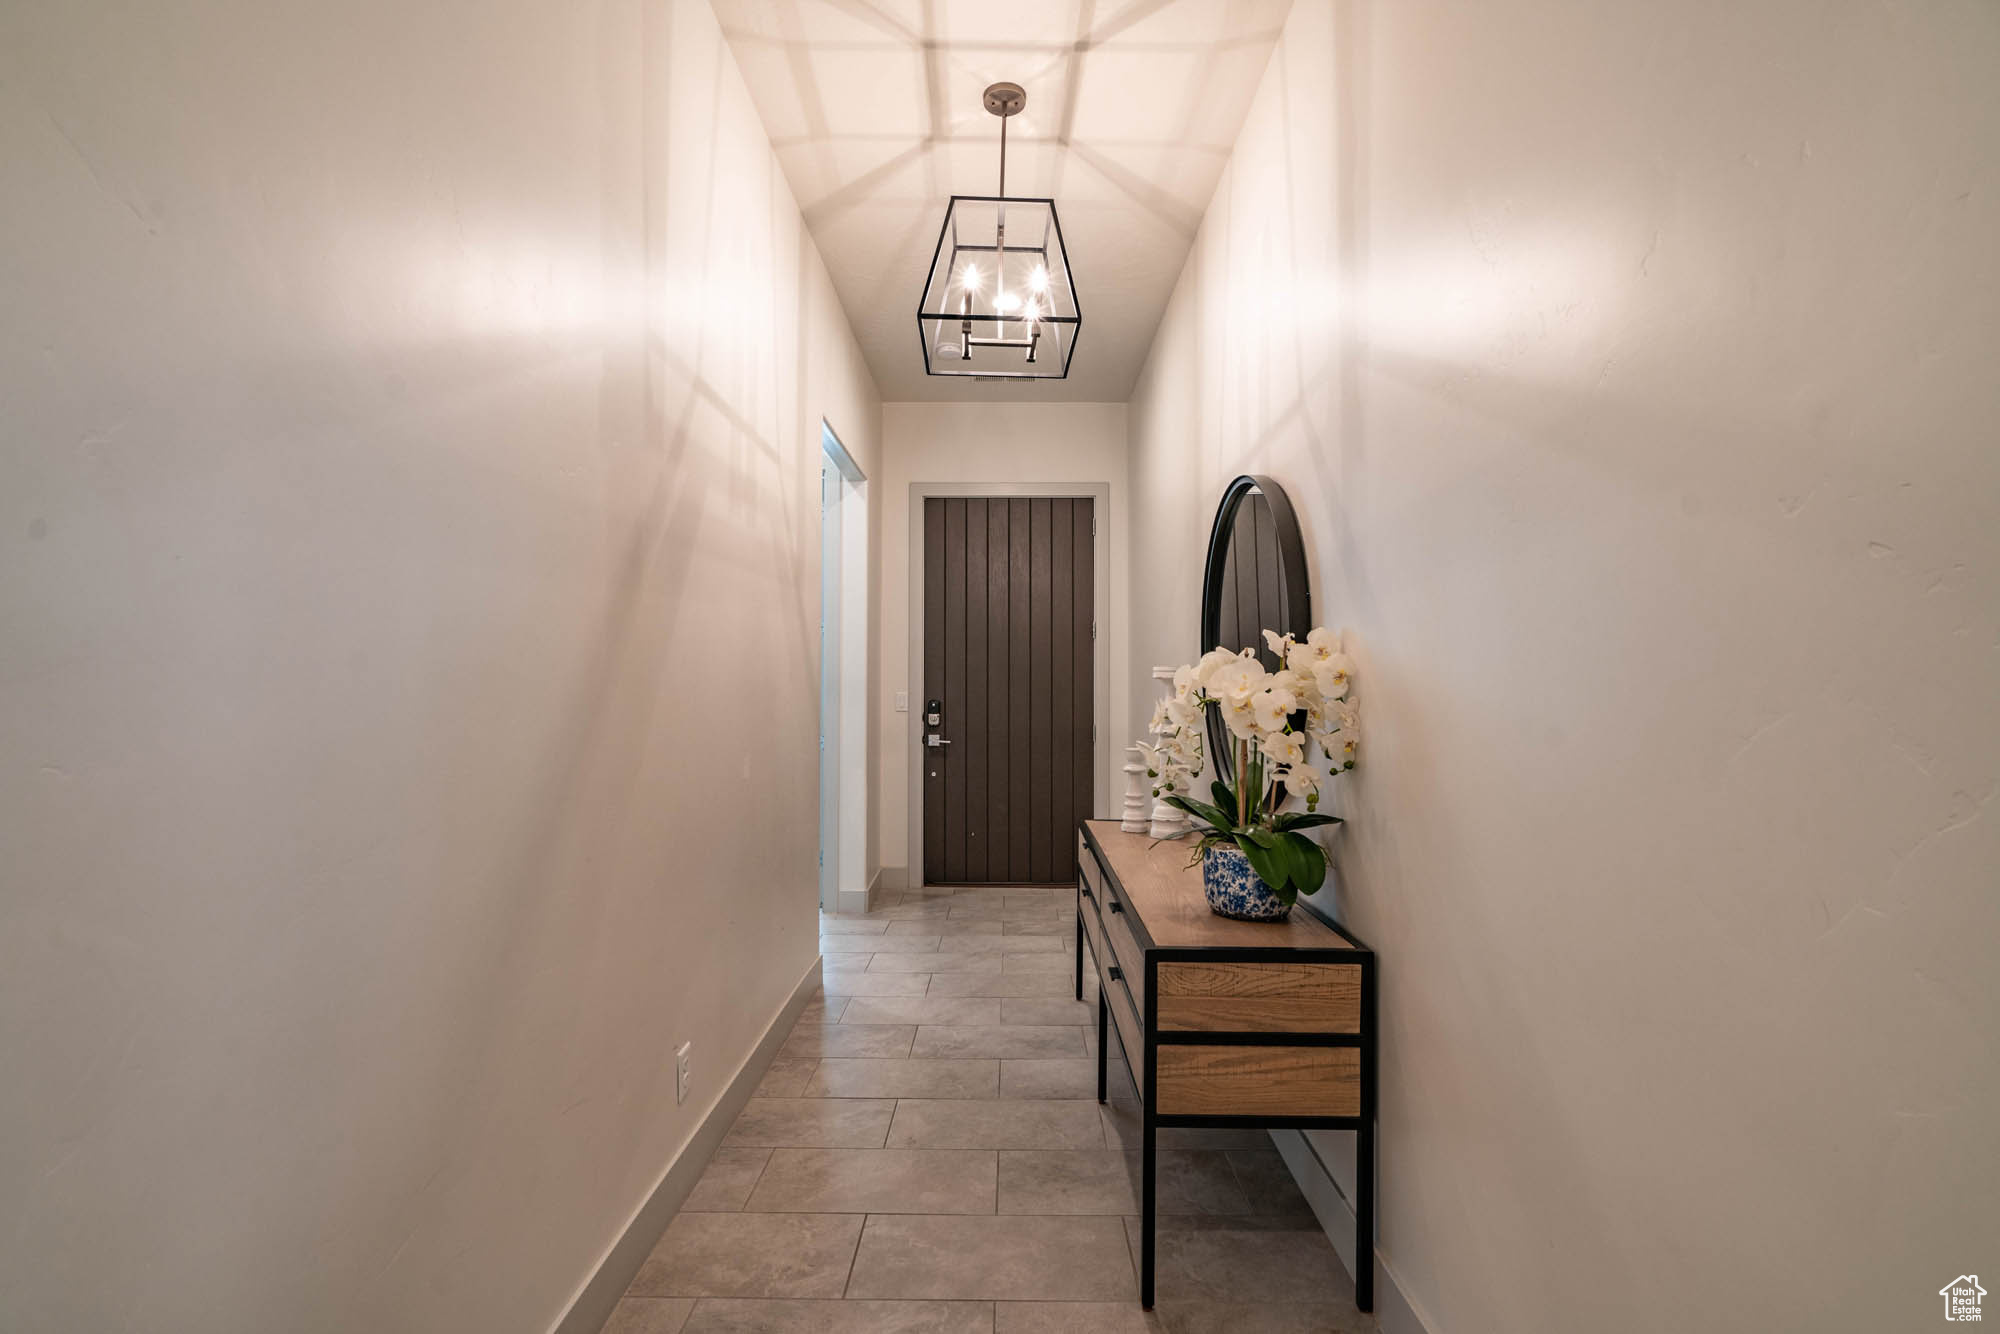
(1270, 716)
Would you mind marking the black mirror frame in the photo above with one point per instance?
(1291, 561)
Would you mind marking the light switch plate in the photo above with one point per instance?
(902, 701)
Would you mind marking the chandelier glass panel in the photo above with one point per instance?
(999, 303)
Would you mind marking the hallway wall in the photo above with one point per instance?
(984, 442)
(1633, 372)
(408, 588)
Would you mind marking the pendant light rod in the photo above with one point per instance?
(1004, 100)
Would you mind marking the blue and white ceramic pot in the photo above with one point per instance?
(1235, 891)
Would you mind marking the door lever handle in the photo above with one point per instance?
(934, 741)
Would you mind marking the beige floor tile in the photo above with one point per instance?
(998, 1124)
(899, 943)
(1043, 963)
(1047, 1010)
(823, 1009)
(1065, 927)
(731, 1175)
(1039, 945)
(812, 1123)
(1004, 984)
(1075, 1318)
(1210, 1317)
(716, 1315)
(874, 1010)
(751, 1255)
(1245, 1260)
(822, 1040)
(787, 1077)
(876, 1181)
(976, 929)
(1064, 1077)
(1066, 1259)
(1268, 1183)
(649, 1315)
(870, 1078)
(1014, 1041)
(850, 926)
(860, 982)
(932, 962)
(1106, 1181)
(845, 951)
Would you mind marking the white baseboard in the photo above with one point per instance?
(856, 900)
(892, 879)
(591, 1306)
(1393, 1312)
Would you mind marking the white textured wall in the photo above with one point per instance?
(1633, 369)
(987, 442)
(408, 585)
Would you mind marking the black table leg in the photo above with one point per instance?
(1364, 1216)
(1102, 1054)
(1147, 1204)
(1079, 947)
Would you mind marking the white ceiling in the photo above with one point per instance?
(874, 109)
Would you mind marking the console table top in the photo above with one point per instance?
(1168, 896)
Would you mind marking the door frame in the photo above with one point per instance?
(843, 877)
(1099, 494)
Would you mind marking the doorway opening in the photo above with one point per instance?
(843, 676)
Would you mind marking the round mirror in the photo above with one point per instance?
(1255, 581)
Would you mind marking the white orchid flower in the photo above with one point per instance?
(1332, 675)
(1271, 707)
(1236, 681)
(1285, 748)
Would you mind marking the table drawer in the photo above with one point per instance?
(1125, 949)
(1260, 997)
(1131, 1034)
(1258, 1081)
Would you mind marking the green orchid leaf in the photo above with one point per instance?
(1303, 820)
(1268, 863)
(1200, 810)
(1308, 862)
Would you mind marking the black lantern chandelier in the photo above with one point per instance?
(999, 304)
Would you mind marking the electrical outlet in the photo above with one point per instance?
(681, 1072)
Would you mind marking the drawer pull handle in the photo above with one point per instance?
(1117, 973)
(1087, 894)
(1116, 906)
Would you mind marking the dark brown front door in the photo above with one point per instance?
(1008, 642)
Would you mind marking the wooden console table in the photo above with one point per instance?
(1226, 1023)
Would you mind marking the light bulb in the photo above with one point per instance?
(970, 282)
(1005, 301)
(1033, 312)
(1039, 279)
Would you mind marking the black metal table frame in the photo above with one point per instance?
(1362, 1125)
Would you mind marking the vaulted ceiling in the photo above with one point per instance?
(874, 109)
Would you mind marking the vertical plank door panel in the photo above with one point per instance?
(1083, 614)
(928, 769)
(1040, 863)
(1020, 690)
(951, 757)
(970, 736)
(999, 703)
(1062, 708)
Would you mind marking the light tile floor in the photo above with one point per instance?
(927, 1156)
